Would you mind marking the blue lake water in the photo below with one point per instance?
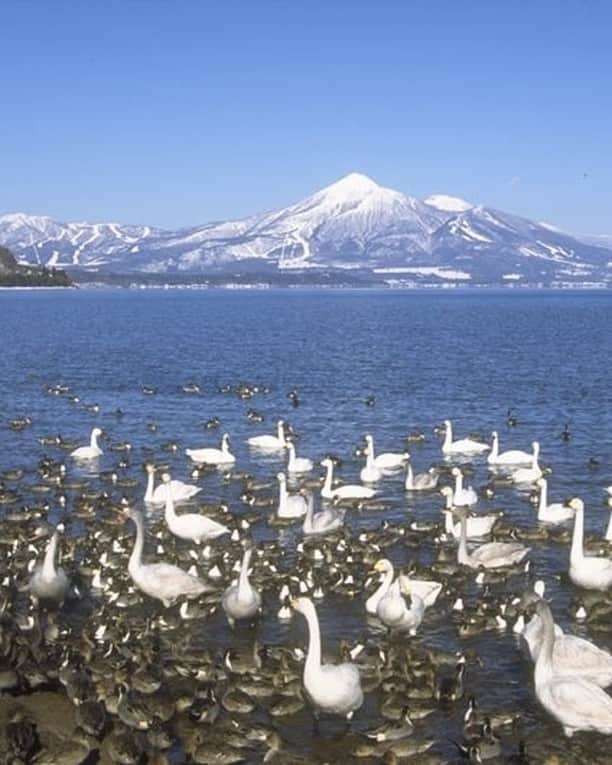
(424, 356)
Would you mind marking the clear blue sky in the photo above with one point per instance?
(177, 113)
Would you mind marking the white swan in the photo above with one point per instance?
(393, 611)
(427, 590)
(586, 570)
(270, 442)
(348, 491)
(576, 702)
(490, 554)
(162, 581)
(463, 446)
(608, 535)
(477, 525)
(212, 456)
(529, 474)
(332, 688)
(191, 526)
(385, 567)
(370, 473)
(326, 521)
(242, 600)
(420, 481)
(89, 452)
(289, 505)
(386, 460)
(180, 491)
(297, 465)
(554, 513)
(509, 458)
(462, 497)
(49, 582)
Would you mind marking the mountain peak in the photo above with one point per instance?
(353, 184)
(448, 204)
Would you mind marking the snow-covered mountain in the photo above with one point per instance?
(351, 224)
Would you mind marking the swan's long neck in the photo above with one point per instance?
(150, 487)
(313, 658)
(544, 663)
(170, 512)
(534, 458)
(136, 556)
(543, 504)
(409, 477)
(608, 536)
(243, 582)
(93, 440)
(576, 553)
(291, 449)
(371, 455)
(494, 453)
(462, 551)
(449, 501)
(225, 445)
(448, 436)
(328, 477)
(458, 482)
(384, 586)
(48, 568)
(282, 491)
(280, 431)
(449, 527)
(309, 513)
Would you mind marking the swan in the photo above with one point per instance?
(428, 591)
(325, 522)
(586, 570)
(608, 535)
(463, 446)
(48, 582)
(348, 491)
(370, 473)
(393, 611)
(180, 492)
(89, 452)
(190, 526)
(297, 465)
(490, 554)
(477, 525)
(462, 497)
(332, 688)
(508, 458)
(555, 513)
(575, 701)
(270, 442)
(530, 474)
(289, 505)
(212, 456)
(420, 481)
(162, 581)
(386, 460)
(241, 600)
(385, 567)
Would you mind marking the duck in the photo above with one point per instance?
(270, 442)
(324, 522)
(586, 571)
(463, 446)
(331, 688)
(462, 497)
(491, 554)
(242, 600)
(90, 452)
(574, 701)
(386, 460)
(347, 491)
(478, 526)
(420, 481)
(507, 458)
(297, 465)
(289, 505)
(529, 474)
(192, 527)
(212, 456)
(393, 611)
(162, 581)
(49, 583)
(555, 513)
(178, 490)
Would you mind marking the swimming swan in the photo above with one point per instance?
(393, 611)
(508, 458)
(89, 452)
(555, 513)
(241, 600)
(370, 473)
(179, 490)
(490, 554)
(348, 491)
(212, 456)
(462, 497)
(326, 521)
(162, 581)
(332, 688)
(270, 442)
(477, 525)
(289, 505)
(191, 526)
(297, 465)
(530, 474)
(463, 446)
(428, 591)
(420, 481)
(49, 582)
(586, 570)
(386, 460)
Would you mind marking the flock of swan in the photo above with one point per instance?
(570, 673)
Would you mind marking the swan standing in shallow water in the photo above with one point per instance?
(427, 591)
(555, 513)
(332, 688)
(162, 581)
(326, 521)
(289, 505)
(49, 582)
(386, 460)
(462, 497)
(576, 702)
(270, 442)
(586, 570)
(370, 473)
(178, 490)
(348, 491)
(477, 525)
(420, 481)
(212, 456)
(393, 611)
(191, 526)
(490, 554)
(297, 465)
(508, 458)
(89, 452)
(242, 600)
(529, 474)
(462, 446)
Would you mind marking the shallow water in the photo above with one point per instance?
(424, 356)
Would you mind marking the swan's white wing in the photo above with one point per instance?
(580, 704)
